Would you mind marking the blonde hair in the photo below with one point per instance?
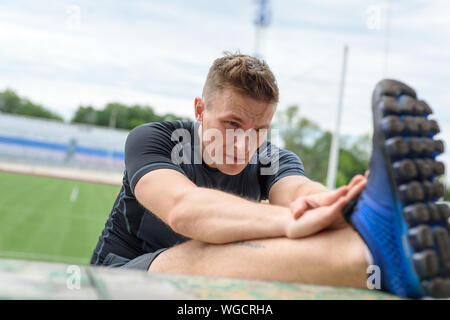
(245, 74)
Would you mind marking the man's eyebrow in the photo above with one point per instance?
(234, 117)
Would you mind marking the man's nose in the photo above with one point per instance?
(245, 142)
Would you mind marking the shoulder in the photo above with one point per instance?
(158, 131)
(269, 153)
(162, 126)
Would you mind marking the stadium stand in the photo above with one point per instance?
(48, 142)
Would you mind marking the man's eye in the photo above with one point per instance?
(234, 124)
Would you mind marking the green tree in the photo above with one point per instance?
(11, 103)
(312, 145)
(86, 115)
(114, 114)
(119, 115)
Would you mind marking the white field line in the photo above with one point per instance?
(74, 194)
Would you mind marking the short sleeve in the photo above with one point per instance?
(276, 164)
(147, 148)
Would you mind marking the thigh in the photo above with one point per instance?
(328, 257)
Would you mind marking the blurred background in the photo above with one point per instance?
(76, 76)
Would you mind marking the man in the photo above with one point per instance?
(190, 201)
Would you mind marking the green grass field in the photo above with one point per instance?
(51, 219)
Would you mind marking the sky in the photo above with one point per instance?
(63, 54)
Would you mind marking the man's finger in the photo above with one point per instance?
(298, 207)
(353, 192)
(307, 224)
(313, 221)
(334, 195)
(357, 189)
(355, 180)
(321, 218)
(304, 204)
(301, 205)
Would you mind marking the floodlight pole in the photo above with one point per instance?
(387, 34)
(261, 22)
(334, 150)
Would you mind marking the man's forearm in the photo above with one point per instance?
(311, 187)
(214, 216)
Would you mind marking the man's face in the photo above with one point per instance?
(233, 126)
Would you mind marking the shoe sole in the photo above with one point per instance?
(405, 134)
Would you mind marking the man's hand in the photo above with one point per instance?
(314, 213)
(326, 198)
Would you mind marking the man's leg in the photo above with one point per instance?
(333, 257)
(398, 215)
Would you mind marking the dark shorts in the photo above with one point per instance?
(142, 262)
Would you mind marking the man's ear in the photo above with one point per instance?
(199, 109)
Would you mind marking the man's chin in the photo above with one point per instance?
(231, 169)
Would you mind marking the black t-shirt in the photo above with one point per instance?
(132, 230)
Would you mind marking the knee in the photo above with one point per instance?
(179, 257)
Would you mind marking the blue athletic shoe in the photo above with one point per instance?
(397, 214)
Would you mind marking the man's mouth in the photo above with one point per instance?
(234, 159)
